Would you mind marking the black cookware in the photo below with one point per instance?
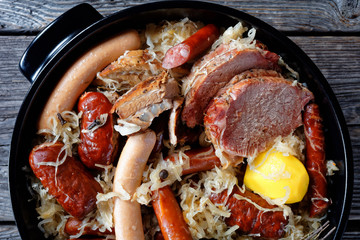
(66, 38)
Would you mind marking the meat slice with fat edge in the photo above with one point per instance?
(252, 73)
(213, 71)
(247, 117)
(147, 100)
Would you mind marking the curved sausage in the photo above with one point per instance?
(73, 225)
(191, 47)
(201, 159)
(98, 144)
(251, 220)
(73, 187)
(128, 174)
(169, 215)
(82, 72)
(315, 160)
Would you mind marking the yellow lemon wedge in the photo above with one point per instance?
(277, 175)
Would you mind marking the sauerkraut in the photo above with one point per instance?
(204, 218)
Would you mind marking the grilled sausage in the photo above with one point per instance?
(315, 160)
(192, 47)
(169, 215)
(79, 76)
(132, 161)
(73, 225)
(249, 218)
(73, 187)
(201, 159)
(98, 144)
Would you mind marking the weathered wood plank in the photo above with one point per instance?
(13, 88)
(9, 232)
(5, 202)
(355, 205)
(351, 235)
(303, 16)
(337, 57)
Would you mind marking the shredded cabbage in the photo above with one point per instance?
(204, 218)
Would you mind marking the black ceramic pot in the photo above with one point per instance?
(65, 39)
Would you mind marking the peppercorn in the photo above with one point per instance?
(163, 174)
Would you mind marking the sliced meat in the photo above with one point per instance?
(134, 67)
(252, 213)
(147, 100)
(252, 73)
(247, 118)
(180, 134)
(174, 121)
(213, 71)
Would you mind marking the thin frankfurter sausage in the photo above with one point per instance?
(315, 160)
(132, 161)
(191, 47)
(201, 159)
(79, 76)
(169, 215)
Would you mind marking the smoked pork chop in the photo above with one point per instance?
(213, 71)
(246, 118)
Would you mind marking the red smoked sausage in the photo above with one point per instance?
(251, 220)
(98, 145)
(201, 159)
(73, 187)
(73, 225)
(169, 215)
(315, 160)
(191, 47)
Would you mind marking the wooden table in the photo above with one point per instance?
(328, 31)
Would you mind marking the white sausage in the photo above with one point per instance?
(79, 76)
(128, 174)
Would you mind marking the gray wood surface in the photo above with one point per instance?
(308, 16)
(328, 31)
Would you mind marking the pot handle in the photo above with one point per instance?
(54, 37)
